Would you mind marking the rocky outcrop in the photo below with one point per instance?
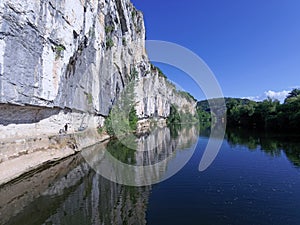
(155, 95)
(77, 56)
(65, 63)
(24, 155)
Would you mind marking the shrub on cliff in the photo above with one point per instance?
(122, 118)
(133, 119)
(174, 116)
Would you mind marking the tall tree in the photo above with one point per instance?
(294, 93)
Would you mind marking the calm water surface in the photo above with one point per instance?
(255, 179)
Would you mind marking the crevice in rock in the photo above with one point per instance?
(71, 67)
(5, 34)
(122, 17)
(120, 74)
(75, 35)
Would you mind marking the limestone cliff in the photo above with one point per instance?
(67, 61)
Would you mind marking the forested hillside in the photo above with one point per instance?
(266, 115)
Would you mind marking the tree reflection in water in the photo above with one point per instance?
(273, 144)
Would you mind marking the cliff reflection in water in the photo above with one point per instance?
(142, 161)
(70, 192)
(272, 144)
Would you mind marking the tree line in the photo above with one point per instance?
(265, 115)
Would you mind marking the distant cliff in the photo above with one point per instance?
(67, 61)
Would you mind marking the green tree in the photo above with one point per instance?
(122, 118)
(203, 116)
(289, 113)
(293, 93)
(133, 119)
(174, 116)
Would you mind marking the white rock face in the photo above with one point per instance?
(77, 55)
(155, 95)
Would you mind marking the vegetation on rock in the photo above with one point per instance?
(109, 43)
(122, 118)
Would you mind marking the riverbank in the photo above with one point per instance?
(24, 155)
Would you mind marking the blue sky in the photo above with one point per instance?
(252, 46)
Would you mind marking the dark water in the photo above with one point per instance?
(255, 179)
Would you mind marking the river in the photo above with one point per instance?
(255, 179)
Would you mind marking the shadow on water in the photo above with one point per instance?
(70, 192)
